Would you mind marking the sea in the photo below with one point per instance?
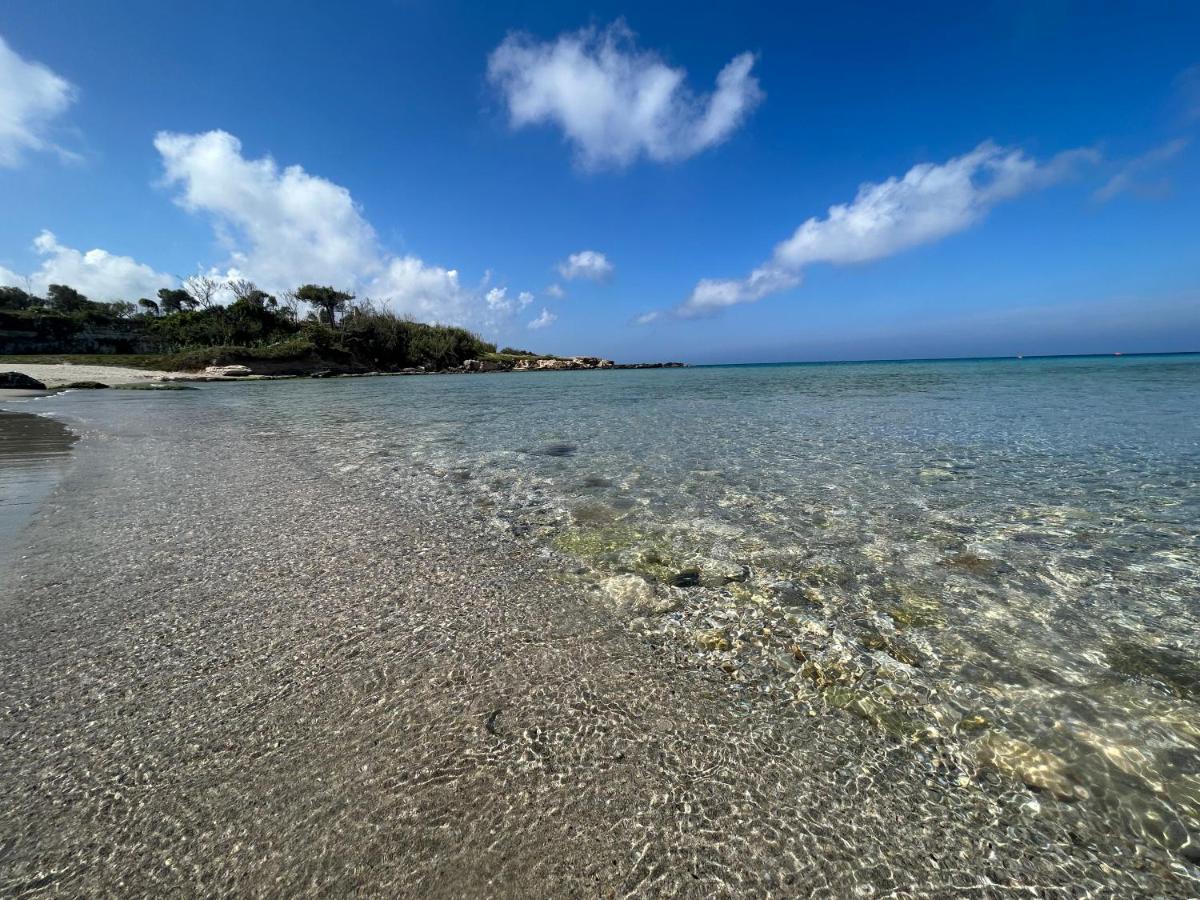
(995, 563)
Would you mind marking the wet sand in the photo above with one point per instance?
(34, 451)
(224, 670)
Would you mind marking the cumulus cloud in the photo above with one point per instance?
(1131, 176)
(586, 264)
(926, 204)
(615, 102)
(546, 318)
(284, 226)
(96, 273)
(31, 97)
(428, 293)
(499, 302)
(555, 290)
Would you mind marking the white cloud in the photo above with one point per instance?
(97, 274)
(427, 293)
(930, 202)
(615, 102)
(585, 264)
(284, 227)
(31, 97)
(9, 278)
(546, 318)
(500, 303)
(1129, 178)
(497, 299)
(555, 290)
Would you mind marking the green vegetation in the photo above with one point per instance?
(187, 329)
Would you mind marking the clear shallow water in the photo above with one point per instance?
(995, 563)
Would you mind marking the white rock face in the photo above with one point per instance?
(235, 371)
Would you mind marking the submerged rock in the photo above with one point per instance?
(19, 381)
(686, 578)
(635, 595)
(717, 573)
(973, 722)
(1175, 670)
(557, 450)
(973, 563)
(1019, 759)
(913, 611)
(714, 640)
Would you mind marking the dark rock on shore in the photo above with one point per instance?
(19, 381)
(85, 386)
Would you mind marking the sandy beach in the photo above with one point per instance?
(59, 374)
(228, 671)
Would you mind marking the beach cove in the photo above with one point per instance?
(312, 637)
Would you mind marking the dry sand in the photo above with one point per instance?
(58, 374)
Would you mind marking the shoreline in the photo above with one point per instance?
(57, 376)
(243, 673)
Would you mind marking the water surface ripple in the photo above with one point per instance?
(996, 563)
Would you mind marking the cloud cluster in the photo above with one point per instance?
(98, 274)
(284, 226)
(926, 204)
(615, 102)
(545, 319)
(31, 97)
(589, 264)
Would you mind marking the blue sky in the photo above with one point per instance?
(1012, 177)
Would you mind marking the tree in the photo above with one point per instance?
(121, 309)
(202, 289)
(290, 305)
(327, 301)
(149, 306)
(173, 300)
(65, 299)
(15, 298)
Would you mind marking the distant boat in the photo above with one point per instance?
(1118, 353)
(1019, 356)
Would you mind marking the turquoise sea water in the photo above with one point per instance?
(996, 563)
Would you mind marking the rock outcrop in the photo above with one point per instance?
(556, 363)
(19, 381)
